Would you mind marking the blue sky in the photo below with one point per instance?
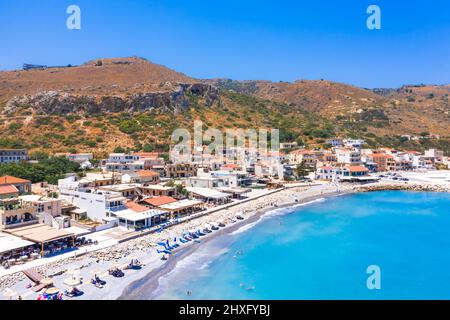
(243, 40)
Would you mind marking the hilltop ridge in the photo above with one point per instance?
(105, 103)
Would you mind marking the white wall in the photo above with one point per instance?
(94, 204)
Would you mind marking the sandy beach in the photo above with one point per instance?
(145, 248)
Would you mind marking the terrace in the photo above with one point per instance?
(16, 213)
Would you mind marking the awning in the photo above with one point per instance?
(40, 233)
(77, 231)
(138, 216)
(208, 193)
(78, 211)
(182, 204)
(234, 190)
(9, 242)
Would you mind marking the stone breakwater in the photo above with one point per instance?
(405, 187)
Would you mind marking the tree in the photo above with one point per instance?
(148, 148)
(39, 155)
(119, 150)
(181, 190)
(49, 170)
(302, 170)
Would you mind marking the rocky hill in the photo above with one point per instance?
(133, 103)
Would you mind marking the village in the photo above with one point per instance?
(128, 196)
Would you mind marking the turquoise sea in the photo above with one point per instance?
(322, 250)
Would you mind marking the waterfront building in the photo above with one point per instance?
(16, 212)
(325, 173)
(348, 156)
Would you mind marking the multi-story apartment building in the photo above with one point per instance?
(348, 156)
(182, 170)
(13, 155)
(16, 212)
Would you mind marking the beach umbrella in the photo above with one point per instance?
(72, 282)
(9, 294)
(47, 281)
(52, 291)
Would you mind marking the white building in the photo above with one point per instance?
(213, 179)
(348, 156)
(123, 163)
(13, 155)
(96, 203)
(325, 173)
(335, 142)
(438, 155)
(80, 157)
(354, 143)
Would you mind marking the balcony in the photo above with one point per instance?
(19, 223)
(15, 213)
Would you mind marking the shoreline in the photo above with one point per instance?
(152, 278)
(144, 247)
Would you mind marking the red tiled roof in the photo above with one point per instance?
(231, 165)
(302, 152)
(357, 168)
(12, 180)
(135, 206)
(159, 201)
(148, 173)
(378, 155)
(7, 189)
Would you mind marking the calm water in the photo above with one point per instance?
(322, 251)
